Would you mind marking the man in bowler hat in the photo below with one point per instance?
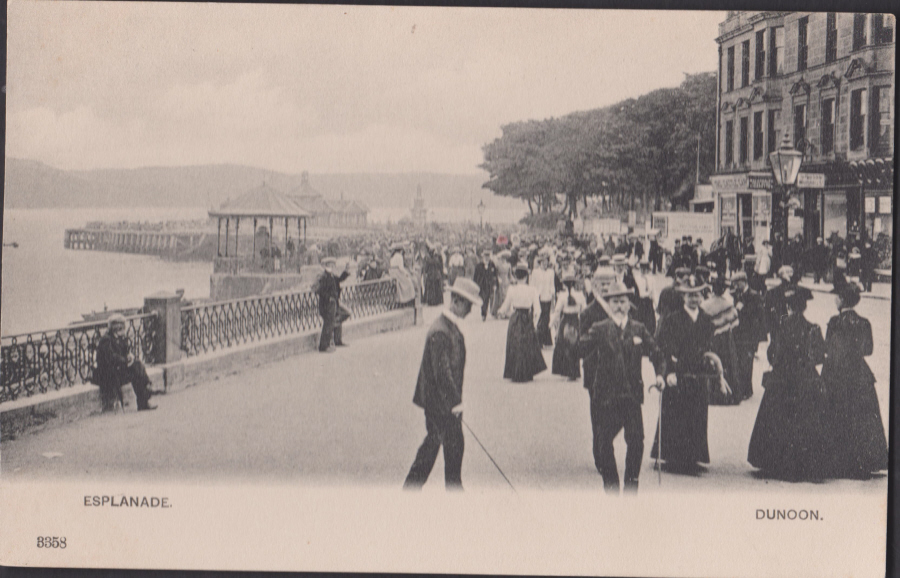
(439, 389)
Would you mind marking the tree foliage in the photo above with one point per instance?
(639, 151)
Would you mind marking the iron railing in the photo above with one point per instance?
(208, 327)
(41, 361)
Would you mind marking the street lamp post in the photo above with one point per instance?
(785, 163)
(481, 208)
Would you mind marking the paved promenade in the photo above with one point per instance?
(348, 418)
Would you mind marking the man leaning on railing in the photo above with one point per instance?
(116, 366)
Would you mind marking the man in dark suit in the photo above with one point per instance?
(618, 388)
(116, 366)
(486, 278)
(439, 389)
(333, 315)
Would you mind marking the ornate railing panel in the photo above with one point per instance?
(208, 327)
(38, 362)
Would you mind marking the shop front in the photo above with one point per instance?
(745, 205)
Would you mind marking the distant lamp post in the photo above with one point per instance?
(785, 163)
(481, 209)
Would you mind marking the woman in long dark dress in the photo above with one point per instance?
(433, 273)
(570, 302)
(685, 337)
(858, 445)
(523, 352)
(789, 433)
(725, 318)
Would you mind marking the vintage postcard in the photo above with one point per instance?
(446, 290)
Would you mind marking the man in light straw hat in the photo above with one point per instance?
(439, 389)
(116, 366)
(617, 389)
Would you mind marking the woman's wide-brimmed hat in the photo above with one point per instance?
(691, 284)
(522, 266)
(619, 259)
(468, 290)
(616, 290)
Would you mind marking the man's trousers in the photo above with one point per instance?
(443, 430)
(608, 419)
(333, 317)
(136, 375)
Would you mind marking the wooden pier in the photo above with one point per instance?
(168, 244)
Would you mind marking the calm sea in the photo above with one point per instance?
(46, 286)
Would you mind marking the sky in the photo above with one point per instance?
(320, 88)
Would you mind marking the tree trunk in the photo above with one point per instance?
(530, 208)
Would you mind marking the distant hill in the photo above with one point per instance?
(32, 184)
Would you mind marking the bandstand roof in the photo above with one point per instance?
(263, 201)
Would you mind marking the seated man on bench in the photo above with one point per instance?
(117, 366)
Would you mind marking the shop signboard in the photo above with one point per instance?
(724, 183)
(811, 181)
(870, 204)
(761, 182)
(884, 205)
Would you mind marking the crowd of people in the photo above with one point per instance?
(590, 301)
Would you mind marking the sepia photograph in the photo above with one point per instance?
(420, 289)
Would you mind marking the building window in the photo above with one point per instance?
(745, 140)
(858, 110)
(882, 33)
(745, 63)
(772, 135)
(757, 135)
(882, 119)
(800, 127)
(859, 31)
(729, 143)
(776, 51)
(831, 37)
(760, 69)
(730, 64)
(802, 48)
(827, 126)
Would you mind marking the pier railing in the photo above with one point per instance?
(209, 327)
(38, 362)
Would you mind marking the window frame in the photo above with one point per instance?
(858, 121)
(759, 71)
(759, 136)
(828, 136)
(802, 43)
(831, 37)
(745, 63)
(729, 143)
(729, 67)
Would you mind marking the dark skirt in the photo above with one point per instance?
(723, 346)
(685, 413)
(858, 445)
(434, 290)
(743, 375)
(565, 359)
(788, 438)
(543, 326)
(523, 353)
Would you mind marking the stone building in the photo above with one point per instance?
(828, 79)
(325, 213)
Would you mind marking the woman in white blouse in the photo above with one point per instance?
(523, 353)
(570, 302)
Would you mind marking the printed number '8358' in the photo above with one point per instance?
(51, 542)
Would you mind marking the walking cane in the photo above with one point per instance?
(658, 434)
